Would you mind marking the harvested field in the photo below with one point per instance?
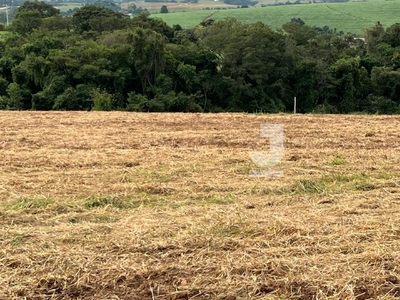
(160, 206)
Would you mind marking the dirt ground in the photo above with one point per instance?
(98, 205)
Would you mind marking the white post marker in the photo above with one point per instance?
(7, 14)
(295, 102)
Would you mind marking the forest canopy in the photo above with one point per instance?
(99, 59)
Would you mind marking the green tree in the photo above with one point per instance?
(349, 84)
(15, 97)
(299, 32)
(164, 9)
(45, 10)
(97, 18)
(188, 74)
(46, 99)
(374, 36)
(253, 62)
(305, 85)
(101, 100)
(386, 83)
(67, 100)
(147, 56)
(3, 86)
(56, 23)
(379, 105)
(392, 36)
(30, 16)
(38, 69)
(138, 102)
(26, 22)
(156, 24)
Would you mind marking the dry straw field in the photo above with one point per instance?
(160, 206)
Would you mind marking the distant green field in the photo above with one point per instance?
(68, 5)
(349, 17)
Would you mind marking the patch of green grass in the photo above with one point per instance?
(309, 186)
(338, 161)
(19, 240)
(95, 202)
(25, 203)
(365, 186)
(387, 175)
(352, 17)
(227, 230)
(236, 229)
(68, 5)
(302, 186)
(126, 202)
(321, 185)
(348, 178)
(244, 169)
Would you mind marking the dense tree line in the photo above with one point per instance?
(99, 59)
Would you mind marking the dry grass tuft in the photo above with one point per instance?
(160, 206)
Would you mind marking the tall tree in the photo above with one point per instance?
(97, 18)
(164, 9)
(45, 10)
(392, 36)
(253, 62)
(147, 55)
(374, 36)
(30, 15)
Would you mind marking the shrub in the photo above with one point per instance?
(101, 100)
(15, 98)
(138, 102)
(379, 105)
(164, 9)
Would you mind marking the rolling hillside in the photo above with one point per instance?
(348, 17)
